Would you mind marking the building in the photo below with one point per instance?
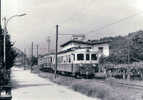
(101, 46)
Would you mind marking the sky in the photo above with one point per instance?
(94, 18)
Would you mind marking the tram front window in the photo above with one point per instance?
(93, 57)
(80, 56)
(87, 56)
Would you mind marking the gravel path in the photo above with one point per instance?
(30, 86)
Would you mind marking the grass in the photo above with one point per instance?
(100, 90)
(105, 91)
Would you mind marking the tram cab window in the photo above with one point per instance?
(80, 56)
(93, 57)
(87, 56)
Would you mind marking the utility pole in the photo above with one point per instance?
(31, 56)
(49, 42)
(129, 69)
(37, 53)
(56, 56)
(24, 59)
(128, 51)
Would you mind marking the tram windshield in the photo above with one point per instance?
(87, 56)
(93, 57)
(80, 56)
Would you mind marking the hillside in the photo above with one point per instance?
(125, 49)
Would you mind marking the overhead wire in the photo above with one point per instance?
(111, 24)
(116, 22)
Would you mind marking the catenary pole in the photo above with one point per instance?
(56, 58)
(24, 59)
(128, 51)
(49, 42)
(37, 53)
(31, 56)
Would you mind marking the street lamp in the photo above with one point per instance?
(7, 20)
(5, 33)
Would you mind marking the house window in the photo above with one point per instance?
(87, 56)
(93, 57)
(80, 56)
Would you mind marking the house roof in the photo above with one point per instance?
(82, 42)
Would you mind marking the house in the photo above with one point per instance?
(100, 46)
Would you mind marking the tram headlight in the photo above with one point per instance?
(87, 73)
(81, 65)
(94, 65)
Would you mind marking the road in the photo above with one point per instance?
(30, 86)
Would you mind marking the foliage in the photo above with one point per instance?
(125, 49)
(137, 45)
(10, 52)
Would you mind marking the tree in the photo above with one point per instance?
(137, 46)
(10, 52)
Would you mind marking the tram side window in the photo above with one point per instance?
(73, 57)
(61, 59)
(51, 59)
(87, 56)
(64, 59)
(80, 56)
(93, 57)
(69, 59)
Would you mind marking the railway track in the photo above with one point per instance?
(122, 84)
(114, 82)
(132, 86)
